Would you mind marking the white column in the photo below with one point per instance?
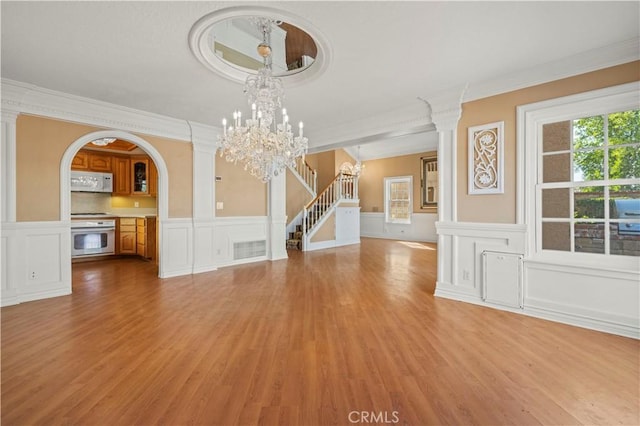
(446, 109)
(8, 166)
(204, 197)
(277, 220)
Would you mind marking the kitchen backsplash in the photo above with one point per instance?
(90, 202)
(94, 202)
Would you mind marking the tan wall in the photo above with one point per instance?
(341, 156)
(327, 232)
(501, 208)
(371, 182)
(240, 193)
(40, 145)
(178, 156)
(297, 196)
(324, 164)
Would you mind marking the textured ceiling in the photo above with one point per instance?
(383, 55)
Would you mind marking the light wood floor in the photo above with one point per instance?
(317, 339)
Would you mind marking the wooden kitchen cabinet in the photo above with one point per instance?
(100, 162)
(153, 179)
(126, 231)
(146, 237)
(121, 175)
(140, 175)
(80, 161)
(90, 161)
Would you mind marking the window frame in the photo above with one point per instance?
(531, 119)
(387, 186)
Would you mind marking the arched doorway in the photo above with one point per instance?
(163, 177)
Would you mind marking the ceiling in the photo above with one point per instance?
(381, 58)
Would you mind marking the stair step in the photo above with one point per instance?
(293, 243)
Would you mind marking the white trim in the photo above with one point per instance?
(199, 44)
(619, 325)
(472, 228)
(8, 166)
(30, 99)
(387, 184)
(530, 119)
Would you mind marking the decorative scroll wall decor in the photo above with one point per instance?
(486, 159)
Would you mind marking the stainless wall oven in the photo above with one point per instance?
(93, 237)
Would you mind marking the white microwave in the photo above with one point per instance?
(91, 182)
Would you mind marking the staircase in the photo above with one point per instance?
(343, 187)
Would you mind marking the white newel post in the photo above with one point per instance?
(446, 110)
(204, 197)
(277, 220)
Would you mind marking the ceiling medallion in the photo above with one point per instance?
(225, 42)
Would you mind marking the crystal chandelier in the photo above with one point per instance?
(263, 143)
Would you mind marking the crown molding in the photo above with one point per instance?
(23, 98)
(581, 63)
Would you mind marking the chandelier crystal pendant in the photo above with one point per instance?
(263, 143)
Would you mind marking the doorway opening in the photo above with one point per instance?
(128, 211)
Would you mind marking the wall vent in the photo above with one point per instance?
(249, 249)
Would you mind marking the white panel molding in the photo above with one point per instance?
(421, 229)
(594, 320)
(30, 99)
(230, 230)
(581, 63)
(204, 258)
(176, 247)
(277, 214)
(36, 261)
(478, 229)
(553, 290)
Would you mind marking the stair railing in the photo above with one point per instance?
(343, 186)
(308, 175)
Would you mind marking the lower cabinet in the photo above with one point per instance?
(126, 236)
(146, 237)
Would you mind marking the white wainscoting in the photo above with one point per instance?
(422, 227)
(36, 261)
(177, 247)
(230, 230)
(204, 257)
(591, 297)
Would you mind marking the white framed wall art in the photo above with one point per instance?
(486, 159)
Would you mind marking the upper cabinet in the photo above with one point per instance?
(92, 162)
(140, 175)
(121, 175)
(132, 174)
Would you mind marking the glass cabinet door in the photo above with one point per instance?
(140, 176)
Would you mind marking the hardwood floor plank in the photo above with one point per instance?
(312, 340)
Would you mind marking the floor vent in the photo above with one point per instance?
(249, 249)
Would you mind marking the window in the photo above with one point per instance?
(397, 196)
(588, 184)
